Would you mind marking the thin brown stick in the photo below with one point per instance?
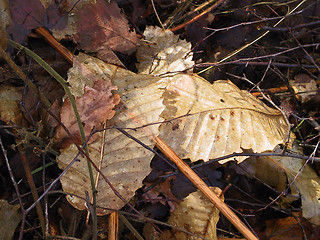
(54, 43)
(113, 226)
(201, 185)
(33, 190)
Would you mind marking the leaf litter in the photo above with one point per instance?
(150, 100)
(173, 89)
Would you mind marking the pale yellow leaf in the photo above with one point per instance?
(221, 119)
(197, 215)
(125, 163)
(163, 52)
(269, 169)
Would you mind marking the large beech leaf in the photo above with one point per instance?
(221, 119)
(123, 161)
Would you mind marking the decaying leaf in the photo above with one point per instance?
(307, 184)
(304, 86)
(4, 21)
(10, 97)
(287, 228)
(103, 29)
(197, 215)
(125, 163)
(163, 52)
(94, 107)
(9, 219)
(27, 15)
(221, 119)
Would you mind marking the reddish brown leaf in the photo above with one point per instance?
(95, 106)
(103, 29)
(287, 228)
(27, 15)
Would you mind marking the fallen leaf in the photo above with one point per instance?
(124, 162)
(94, 107)
(155, 194)
(212, 120)
(27, 15)
(197, 215)
(287, 228)
(10, 97)
(219, 119)
(9, 219)
(163, 52)
(4, 21)
(103, 29)
(304, 86)
(272, 168)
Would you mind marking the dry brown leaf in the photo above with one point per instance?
(9, 219)
(221, 120)
(304, 86)
(287, 228)
(10, 97)
(125, 163)
(94, 107)
(197, 215)
(103, 29)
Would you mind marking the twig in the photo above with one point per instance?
(197, 17)
(33, 190)
(201, 185)
(255, 40)
(294, 179)
(155, 11)
(16, 188)
(53, 42)
(113, 226)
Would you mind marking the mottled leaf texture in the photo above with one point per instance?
(163, 52)
(103, 29)
(94, 107)
(221, 119)
(123, 161)
(197, 215)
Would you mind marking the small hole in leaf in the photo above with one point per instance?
(221, 100)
